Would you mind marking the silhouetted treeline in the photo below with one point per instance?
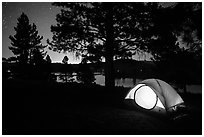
(123, 69)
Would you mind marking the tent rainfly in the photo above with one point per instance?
(155, 95)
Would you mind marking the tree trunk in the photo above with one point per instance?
(184, 89)
(109, 68)
(109, 71)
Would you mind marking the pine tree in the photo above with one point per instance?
(26, 41)
(66, 71)
(65, 60)
(37, 53)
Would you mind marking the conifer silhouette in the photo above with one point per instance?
(27, 42)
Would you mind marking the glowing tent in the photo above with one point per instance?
(154, 95)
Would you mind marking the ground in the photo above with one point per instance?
(38, 107)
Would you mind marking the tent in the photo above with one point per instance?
(154, 95)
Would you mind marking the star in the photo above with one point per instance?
(5, 27)
(4, 21)
(5, 24)
(5, 4)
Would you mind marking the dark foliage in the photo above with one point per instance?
(85, 75)
(175, 27)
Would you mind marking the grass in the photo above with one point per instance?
(39, 107)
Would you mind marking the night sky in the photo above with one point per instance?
(43, 14)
